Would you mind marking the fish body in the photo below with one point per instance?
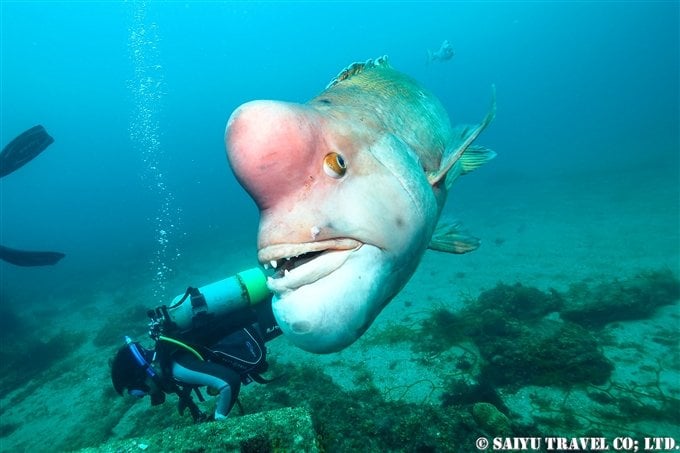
(444, 53)
(350, 186)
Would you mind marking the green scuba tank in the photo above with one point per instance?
(215, 299)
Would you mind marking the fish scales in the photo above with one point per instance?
(394, 103)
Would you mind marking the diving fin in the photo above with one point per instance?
(26, 258)
(451, 238)
(23, 149)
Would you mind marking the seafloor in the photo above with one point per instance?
(564, 323)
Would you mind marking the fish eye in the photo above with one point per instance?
(334, 165)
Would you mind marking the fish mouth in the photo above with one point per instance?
(301, 264)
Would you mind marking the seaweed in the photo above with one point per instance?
(500, 311)
(616, 407)
(392, 333)
(551, 354)
(364, 419)
(441, 330)
(463, 393)
(519, 301)
(522, 343)
(256, 444)
(621, 300)
(519, 343)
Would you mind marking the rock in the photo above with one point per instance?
(288, 429)
(491, 420)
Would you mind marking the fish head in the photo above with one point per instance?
(341, 216)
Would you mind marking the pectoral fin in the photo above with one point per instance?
(451, 238)
(475, 156)
(461, 145)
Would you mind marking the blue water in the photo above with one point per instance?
(584, 88)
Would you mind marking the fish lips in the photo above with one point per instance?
(291, 261)
(319, 267)
(326, 304)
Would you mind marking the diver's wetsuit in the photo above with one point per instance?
(233, 354)
(189, 370)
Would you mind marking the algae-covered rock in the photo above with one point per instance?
(620, 300)
(547, 353)
(521, 339)
(288, 429)
(490, 420)
(519, 301)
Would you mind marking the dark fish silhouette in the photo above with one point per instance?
(15, 155)
(26, 258)
(23, 149)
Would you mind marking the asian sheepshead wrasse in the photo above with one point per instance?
(350, 186)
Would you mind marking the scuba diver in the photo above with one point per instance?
(15, 155)
(212, 336)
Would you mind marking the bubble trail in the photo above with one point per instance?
(146, 87)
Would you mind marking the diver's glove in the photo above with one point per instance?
(187, 402)
(197, 414)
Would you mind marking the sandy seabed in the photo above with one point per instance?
(544, 232)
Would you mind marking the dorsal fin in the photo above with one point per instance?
(356, 68)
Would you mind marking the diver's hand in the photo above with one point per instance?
(197, 414)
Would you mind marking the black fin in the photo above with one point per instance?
(26, 258)
(23, 149)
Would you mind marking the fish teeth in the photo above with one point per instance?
(273, 263)
(266, 266)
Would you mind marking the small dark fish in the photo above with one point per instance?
(444, 53)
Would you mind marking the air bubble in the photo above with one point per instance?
(147, 87)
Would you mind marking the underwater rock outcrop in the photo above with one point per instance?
(288, 429)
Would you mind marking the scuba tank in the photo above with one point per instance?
(197, 306)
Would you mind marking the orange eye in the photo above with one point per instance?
(334, 165)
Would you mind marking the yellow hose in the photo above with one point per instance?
(180, 344)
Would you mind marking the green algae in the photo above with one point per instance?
(636, 297)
